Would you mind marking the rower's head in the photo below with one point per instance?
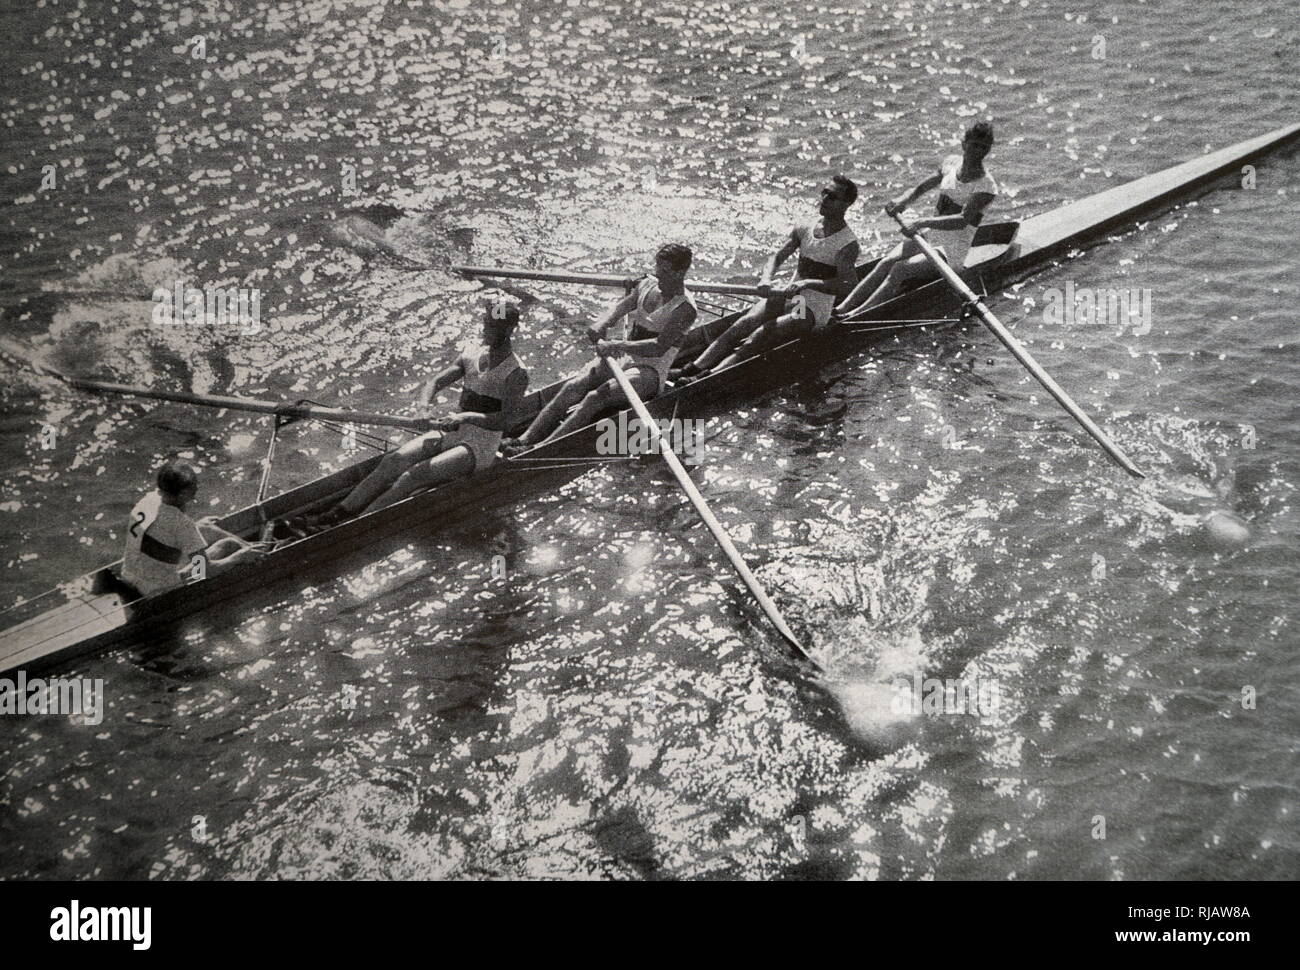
(978, 141)
(837, 195)
(500, 317)
(672, 262)
(178, 483)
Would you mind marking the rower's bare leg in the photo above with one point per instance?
(734, 335)
(770, 335)
(902, 274)
(861, 295)
(570, 394)
(456, 462)
(390, 468)
(864, 293)
(609, 396)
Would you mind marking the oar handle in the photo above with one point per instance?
(594, 279)
(1018, 350)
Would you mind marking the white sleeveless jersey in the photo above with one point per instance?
(643, 326)
(160, 539)
(954, 192)
(817, 261)
(484, 390)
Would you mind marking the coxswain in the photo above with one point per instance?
(162, 540)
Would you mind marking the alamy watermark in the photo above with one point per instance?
(626, 436)
(211, 306)
(933, 696)
(1088, 306)
(78, 924)
(59, 695)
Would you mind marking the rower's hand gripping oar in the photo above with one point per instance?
(1018, 349)
(702, 508)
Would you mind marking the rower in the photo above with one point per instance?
(828, 252)
(493, 383)
(659, 311)
(965, 191)
(161, 540)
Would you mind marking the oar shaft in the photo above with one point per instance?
(33, 360)
(253, 405)
(1024, 356)
(702, 509)
(593, 279)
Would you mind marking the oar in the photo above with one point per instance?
(282, 408)
(702, 508)
(1019, 352)
(594, 279)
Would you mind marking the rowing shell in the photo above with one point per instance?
(91, 617)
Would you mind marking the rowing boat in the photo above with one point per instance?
(91, 615)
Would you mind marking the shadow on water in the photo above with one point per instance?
(483, 633)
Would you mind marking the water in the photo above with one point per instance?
(614, 708)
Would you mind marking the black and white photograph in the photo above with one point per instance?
(651, 440)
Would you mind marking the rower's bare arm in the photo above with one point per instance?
(211, 533)
(975, 206)
(611, 316)
(219, 560)
(922, 187)
(788, 249)
(670, 336)
(971, 215)
(855, 291)
(444, 380)
(673, 332)
(846, 275)
(516, 390)
(478, 418)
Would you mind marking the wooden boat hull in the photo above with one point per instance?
(91, 621)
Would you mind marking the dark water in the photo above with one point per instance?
(612, 707)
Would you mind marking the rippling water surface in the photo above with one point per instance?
(613, 707)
